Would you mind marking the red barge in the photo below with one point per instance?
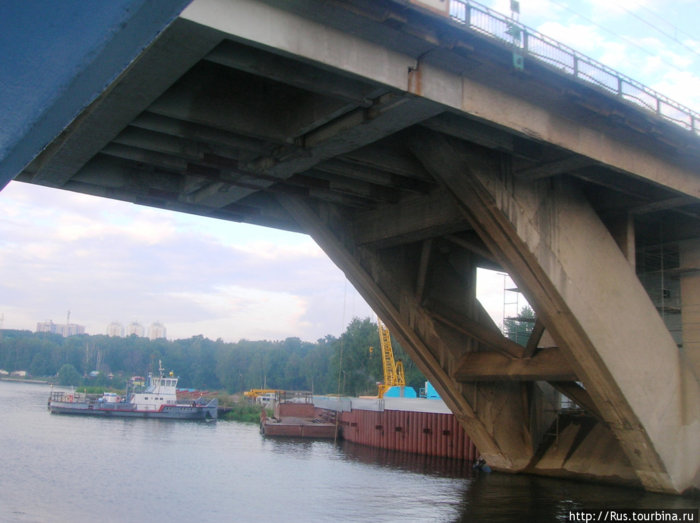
(415, 425)
(395, 420)
(299, 419)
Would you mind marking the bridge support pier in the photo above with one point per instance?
(392, 280)
(604, 344)
(589, 298)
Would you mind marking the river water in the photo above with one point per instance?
(80, 469)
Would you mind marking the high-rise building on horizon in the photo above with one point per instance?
(156, 330)
(65, 330)
(135, 328)
(115, 329)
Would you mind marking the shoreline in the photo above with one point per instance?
(25, 380)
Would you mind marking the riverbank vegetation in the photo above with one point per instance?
(331, 365)
(243, 411)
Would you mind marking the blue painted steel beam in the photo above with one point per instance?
(57, 57)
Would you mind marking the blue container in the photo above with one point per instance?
(400, 392)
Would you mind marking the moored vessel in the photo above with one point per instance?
(157, 400)
(295, 416)
(402, 421)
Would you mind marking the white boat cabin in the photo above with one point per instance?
(159, 391)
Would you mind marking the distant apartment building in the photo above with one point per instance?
(73, 329)
(135, 328)
(115, 330)
(65, 330)
(156, 330)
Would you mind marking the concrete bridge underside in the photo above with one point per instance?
(413, 153)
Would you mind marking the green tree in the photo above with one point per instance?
(519, 328)
(101, 380)
(40, 365)
(290, 364)
(316, 367)
(67, 375)
(356, 369)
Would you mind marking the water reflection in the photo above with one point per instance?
(298, 447)
(415, 463)
(504, 497)
(473, 495)
(496, 497)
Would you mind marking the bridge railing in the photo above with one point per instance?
(526, 41)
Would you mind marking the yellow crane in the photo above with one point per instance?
(393, 370)
(255, 393)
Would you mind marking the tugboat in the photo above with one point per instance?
(158, 400)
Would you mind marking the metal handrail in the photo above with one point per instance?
(527, 41)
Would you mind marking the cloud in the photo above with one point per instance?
(111, 261)
(250, 312)
(619, 8)
(682, 86)
(142, 229)
(692, 44)
(581, 37)
(273, 251)
(670, 70)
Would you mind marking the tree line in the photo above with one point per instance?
(331, 365)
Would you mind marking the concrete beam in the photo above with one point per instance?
(267, 26)
(534, 339)
(162, 143)
(371, 192)
(488, 337)
(235, 103)
(546, 365)
(668, 203)
(472, 243)
(412, 219)
(213, 188)
(480, 133)
(341, 251)
(507, 110)
(354, 130)
(211, 136)
(578, 395)
(373, 175)
(386, 156)
(292, 72)
(621, 227)
(554, 168)
(501, 432)
(584, 290)
(584, 448)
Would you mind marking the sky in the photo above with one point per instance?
(105, 260)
